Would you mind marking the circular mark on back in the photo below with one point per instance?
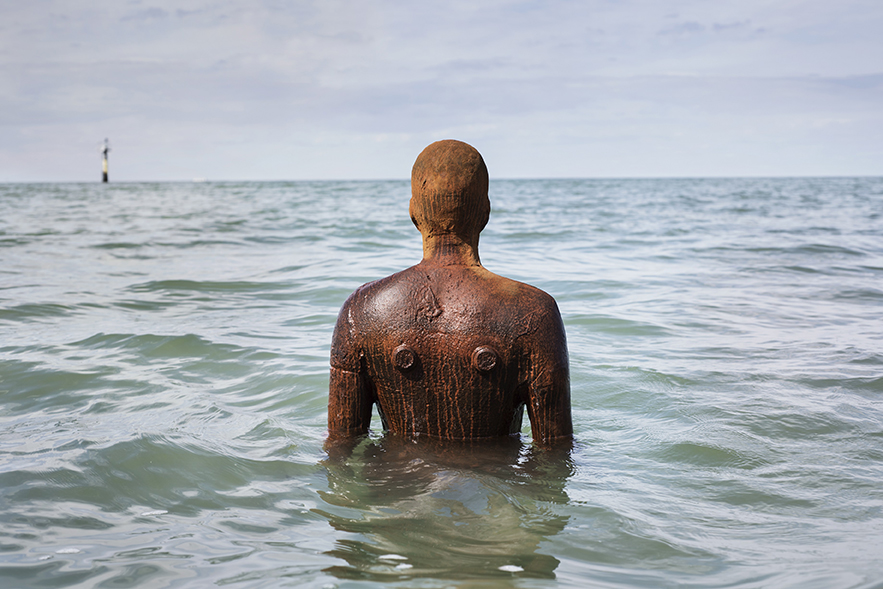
(484, 358)
(404, 357)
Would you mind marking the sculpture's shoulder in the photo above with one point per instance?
(535, 322)
(368, 309)
(379, 299)
(526, 304)
(526, 293)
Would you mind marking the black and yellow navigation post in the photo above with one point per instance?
(104, 152)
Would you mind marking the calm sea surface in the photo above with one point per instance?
(164, 373)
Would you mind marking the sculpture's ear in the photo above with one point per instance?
(486, 214)
(412, 211)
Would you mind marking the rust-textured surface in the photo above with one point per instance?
(446, 348)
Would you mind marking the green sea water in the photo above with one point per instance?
(164, 372)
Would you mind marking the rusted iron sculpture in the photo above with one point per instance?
(446, 348)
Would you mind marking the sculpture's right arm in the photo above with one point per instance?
(350, 395)
(548, 403)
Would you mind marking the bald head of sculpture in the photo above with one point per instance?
(449, 191)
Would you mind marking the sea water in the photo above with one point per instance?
(164, 372)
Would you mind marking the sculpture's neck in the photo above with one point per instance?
(449, 249)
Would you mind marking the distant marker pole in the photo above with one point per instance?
(104, 161)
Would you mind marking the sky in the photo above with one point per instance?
(336, 89)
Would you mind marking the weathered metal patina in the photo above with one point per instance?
(446, 348)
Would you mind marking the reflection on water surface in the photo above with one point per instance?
(416, 507)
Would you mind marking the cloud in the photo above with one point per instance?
(307, 88)
(152, 13)
(684, 28)
(720, 27)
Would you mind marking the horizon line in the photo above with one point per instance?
(199, 180)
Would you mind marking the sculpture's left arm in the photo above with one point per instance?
(350, 395)
(548, 402)
(349, 403)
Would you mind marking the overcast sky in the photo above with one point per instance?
(304, 89)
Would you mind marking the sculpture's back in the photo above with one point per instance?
(447, 348)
